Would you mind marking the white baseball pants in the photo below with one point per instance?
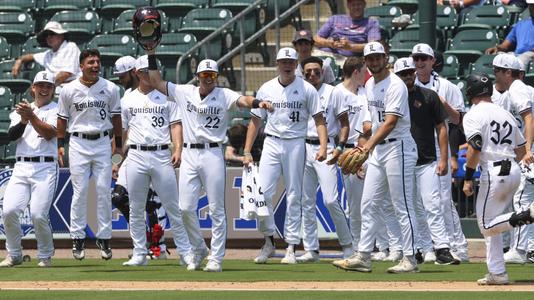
(204, 168)
(494, 196)
(524, 196)
(316, 172)
(143, 168)
(283, 157)
(35, 183)
(390, 168)
(90, 158)
(353, 190)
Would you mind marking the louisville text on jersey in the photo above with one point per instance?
(377, 103)
(208, 110)
(89, 104)
(285, 104)
(146, 110)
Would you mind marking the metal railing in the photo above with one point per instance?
(243, 43)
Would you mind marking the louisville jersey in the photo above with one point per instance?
(498, 129)
(445, 89)
(148, 117)
(333, 105)
(89, 109)
(293, 106)
(389, 97)
(31, 143)
(204, 120)
(358, 111)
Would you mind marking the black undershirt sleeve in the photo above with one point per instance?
(456, 138)
(15, 132)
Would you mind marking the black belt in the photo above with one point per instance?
(273, 136)
(201, 146)
(91, 137)
(385, 141)
(349, 145)
(313, 142)
(149, 148)
(35, 158)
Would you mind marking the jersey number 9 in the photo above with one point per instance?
(103, 114)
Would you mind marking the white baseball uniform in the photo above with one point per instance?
(148, 119)
(453, 95)
(284, 149)
(65, 59)
(88, 111)
(205, 121)
(333, 103)
(390, 165)
(500, 136)
(34, 181)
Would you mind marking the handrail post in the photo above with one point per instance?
(242, 55)
(276, 16)
(317, 14)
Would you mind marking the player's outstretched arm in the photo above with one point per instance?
(529, 135)
(253, 126)
(62, 76)
(320, 124)
(155, 76)
(443, 140)
(26, 58)
(251, 102)
(61, 129)
(454, 115)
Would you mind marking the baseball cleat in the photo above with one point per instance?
(462, 256)
(494, 279)
(354, 263)
(78, 248)
(380, 256)
(406, 265)
(395, 255)
(290, 258)
(514, 257)
(530, 256)
(444, 257)
(266, 251)
(11, 261)
(185, 259)
(309, 257)
(105, 249)
(45, 262)
(136, 261)
(212, 266)
(430, 256)
(196, 260)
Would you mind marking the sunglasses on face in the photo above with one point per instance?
(211, 75)
(405, 73)
(498, 69)
(315, 72)
(420, 57)
(144, 71)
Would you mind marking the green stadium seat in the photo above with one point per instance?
(17, 85)
(111, 9)
(401, 44)
(202, 22)
(171, 48)
(468, 45)
(6, 98)
(529, 76)
(524, 15)
(253, 20)
(385, 14)
(451, 66)
(296, 18)
(487, 17)
(5, 48)
(16, 26)
(175, 8)
(82, 25)
(18, 5)
(407, 6)
(4, 125)
(123, 23)
(483, 64)
(32, 46)
(462, 85)
(514, 11)
(10, 153)
(113, 46)
(52, 6)
(446, 19)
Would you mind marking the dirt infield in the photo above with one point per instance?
(260, 286)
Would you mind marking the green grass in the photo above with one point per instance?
(245, 271)
(247, 295)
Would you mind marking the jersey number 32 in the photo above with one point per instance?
(506, 131)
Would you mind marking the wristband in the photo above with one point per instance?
(340, 146)
(256, 103)
(61, 142)
(469, 173)
(247, 154)
(118, 141)
(152, 63)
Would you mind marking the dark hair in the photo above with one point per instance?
(237, 135)
(515, 73)
(88, 52)
(351, 64)
(311, 59)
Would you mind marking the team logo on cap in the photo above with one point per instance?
(303, 32)
(208, 65)
(44, 76)
(371, 47)
(484, 79)
(406, 64)
(287, 53)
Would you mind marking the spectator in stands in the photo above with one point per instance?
(462, 6)
(303, 43)
(346, 35)
(236, 142)
(520, 38)
(62, 59)
(519, 3)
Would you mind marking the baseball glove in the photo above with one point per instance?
(351, 160)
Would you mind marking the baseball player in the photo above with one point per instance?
(295, 101)
(206, 113)
(124, 69)
(88, 108)
(390, 165)
(149, 121)
(323, 173)
(353, 90)
(34, 178)
(514, 96)
(495, 143)
(452, 99)
(428, 117)
(303, 43)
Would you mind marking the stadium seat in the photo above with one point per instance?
(32, 46)
(407, 6)
(111, 9)
(483, 64)
(17, 5)
(401, 44)
(253, 20)
(113, 46)
(446, 19)
(16, 26)
(468, 45)
(385, 14)
(450, 66)
(4, 126)
(462, 85)
(171, 48)
(529, 76)
(53, 6)
(487, 17)
(5, 48)
(82, 25)
(524, 15)
(296, 18)
(17, 85)
(123, 23)
(202, 22)
(10, 154)
(6, 98)
(175, 8)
